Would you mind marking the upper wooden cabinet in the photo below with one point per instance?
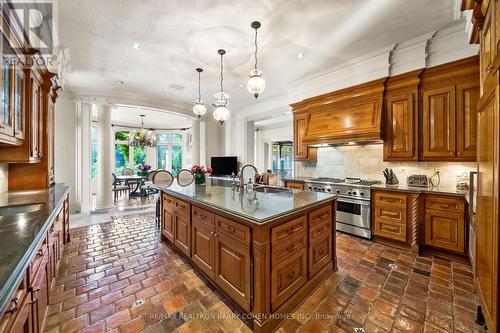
(401, 117)
(449, 95)
(301, 151)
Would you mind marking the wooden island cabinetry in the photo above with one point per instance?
(425, 222)
(265, 268)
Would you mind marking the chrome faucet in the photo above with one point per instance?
(242, 175)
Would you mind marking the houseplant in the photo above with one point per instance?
(143, 169)
(199, 172)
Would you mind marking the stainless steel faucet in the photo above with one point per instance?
(242, 175)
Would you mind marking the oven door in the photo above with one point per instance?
(353, 212)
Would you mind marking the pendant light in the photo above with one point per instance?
(199, 108)
(256, 83)
(221, 112)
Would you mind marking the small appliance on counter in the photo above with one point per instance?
(463, 181)
(417, 181)
(390, 177)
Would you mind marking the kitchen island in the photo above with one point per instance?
(267, 250)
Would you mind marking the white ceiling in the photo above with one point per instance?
(176, 36)
(156, 119)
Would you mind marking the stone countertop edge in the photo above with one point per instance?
(247, 218)
(419, 190)
(18, 273)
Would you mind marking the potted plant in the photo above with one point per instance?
(199, 172)
(144, 169)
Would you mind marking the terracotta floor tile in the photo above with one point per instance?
(75, 325)
(117, 319)
(133, 326)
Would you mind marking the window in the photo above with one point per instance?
(122, 151)
(5, 107)
(94, 135)
(282, 158)
(169, 152)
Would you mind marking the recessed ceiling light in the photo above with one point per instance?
(242, 85)
(120, 82)
(136, 46)
(300, 55)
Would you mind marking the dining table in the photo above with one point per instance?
(132, 180)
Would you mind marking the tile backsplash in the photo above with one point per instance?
(366, 162)
(4, 177)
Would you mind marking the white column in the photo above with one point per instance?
(83, 191)
(105, 160)
(195, 143)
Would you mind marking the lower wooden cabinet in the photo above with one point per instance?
(182, 233)
(167, 225)
(232, 269)
(445, 223)
(294, 185)
(203, 247)
(389, 215)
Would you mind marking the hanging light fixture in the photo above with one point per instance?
(199, 108)
(144, 139)
(256, 83)
(221, 112)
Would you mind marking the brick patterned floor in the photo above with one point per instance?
(118, 277)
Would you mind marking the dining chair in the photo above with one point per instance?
(146, 188)
(127, 172)
(185, 177)
(163, 178)
(119, 188)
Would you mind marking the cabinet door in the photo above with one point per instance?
(320, 253)
(232, 269)
(23, 321)
(182, 233)
(299, 130)
(40, 294)
(203, 247)
(401, 140)
(487, 219)
(36, 120)
(467, 99)
(167, 224)
(19, 110)
(50, 143)
(438, 123)
(287, 277)
(487, 43)
(445, 230)
(6, 114)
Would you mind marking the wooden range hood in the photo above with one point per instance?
(349, 115)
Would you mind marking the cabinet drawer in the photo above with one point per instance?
(438, 202)
(320, 216)
(37, 260)
(392, 213)
(168, 202)
(203, 216)
(384, 228)
(319, 230)
(320, 253)
(182, 207)
(390, 198)
(287, 230)
(234, 230)
(287, 277)
(285, 249)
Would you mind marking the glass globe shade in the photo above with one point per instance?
(221, 114)
(256, 83)
(199, 109)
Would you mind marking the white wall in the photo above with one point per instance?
(4, 177)
(425, 51)
(366, 162)
(65, 143)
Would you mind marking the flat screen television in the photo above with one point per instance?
(224, 165)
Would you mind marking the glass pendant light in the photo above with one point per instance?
(199, 108)
(221, 112)
(256, 83)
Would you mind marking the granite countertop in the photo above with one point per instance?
(296, 179)
(20, 234)
(446, 190)
(256, 207)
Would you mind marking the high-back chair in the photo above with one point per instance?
(146, 189)
(185, 177)
(127, 172)
(163, 178)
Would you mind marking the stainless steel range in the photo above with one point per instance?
(353, 203)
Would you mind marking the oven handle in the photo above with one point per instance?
(354, 201)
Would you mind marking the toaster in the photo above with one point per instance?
(417, 181)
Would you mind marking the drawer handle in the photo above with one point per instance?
(40, 253)
(14, 309)
(446, 206)
(290, 231)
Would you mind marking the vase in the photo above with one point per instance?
(142, 173)
(199, 179)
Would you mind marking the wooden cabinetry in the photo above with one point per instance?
(390, 215)
(445, 223)
(450, 94)
(296, 185)
(320, 239)
(301, 152)
(401, 117)
(203, 247)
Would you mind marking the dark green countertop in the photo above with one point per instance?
(256, 207)
(21, 234)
